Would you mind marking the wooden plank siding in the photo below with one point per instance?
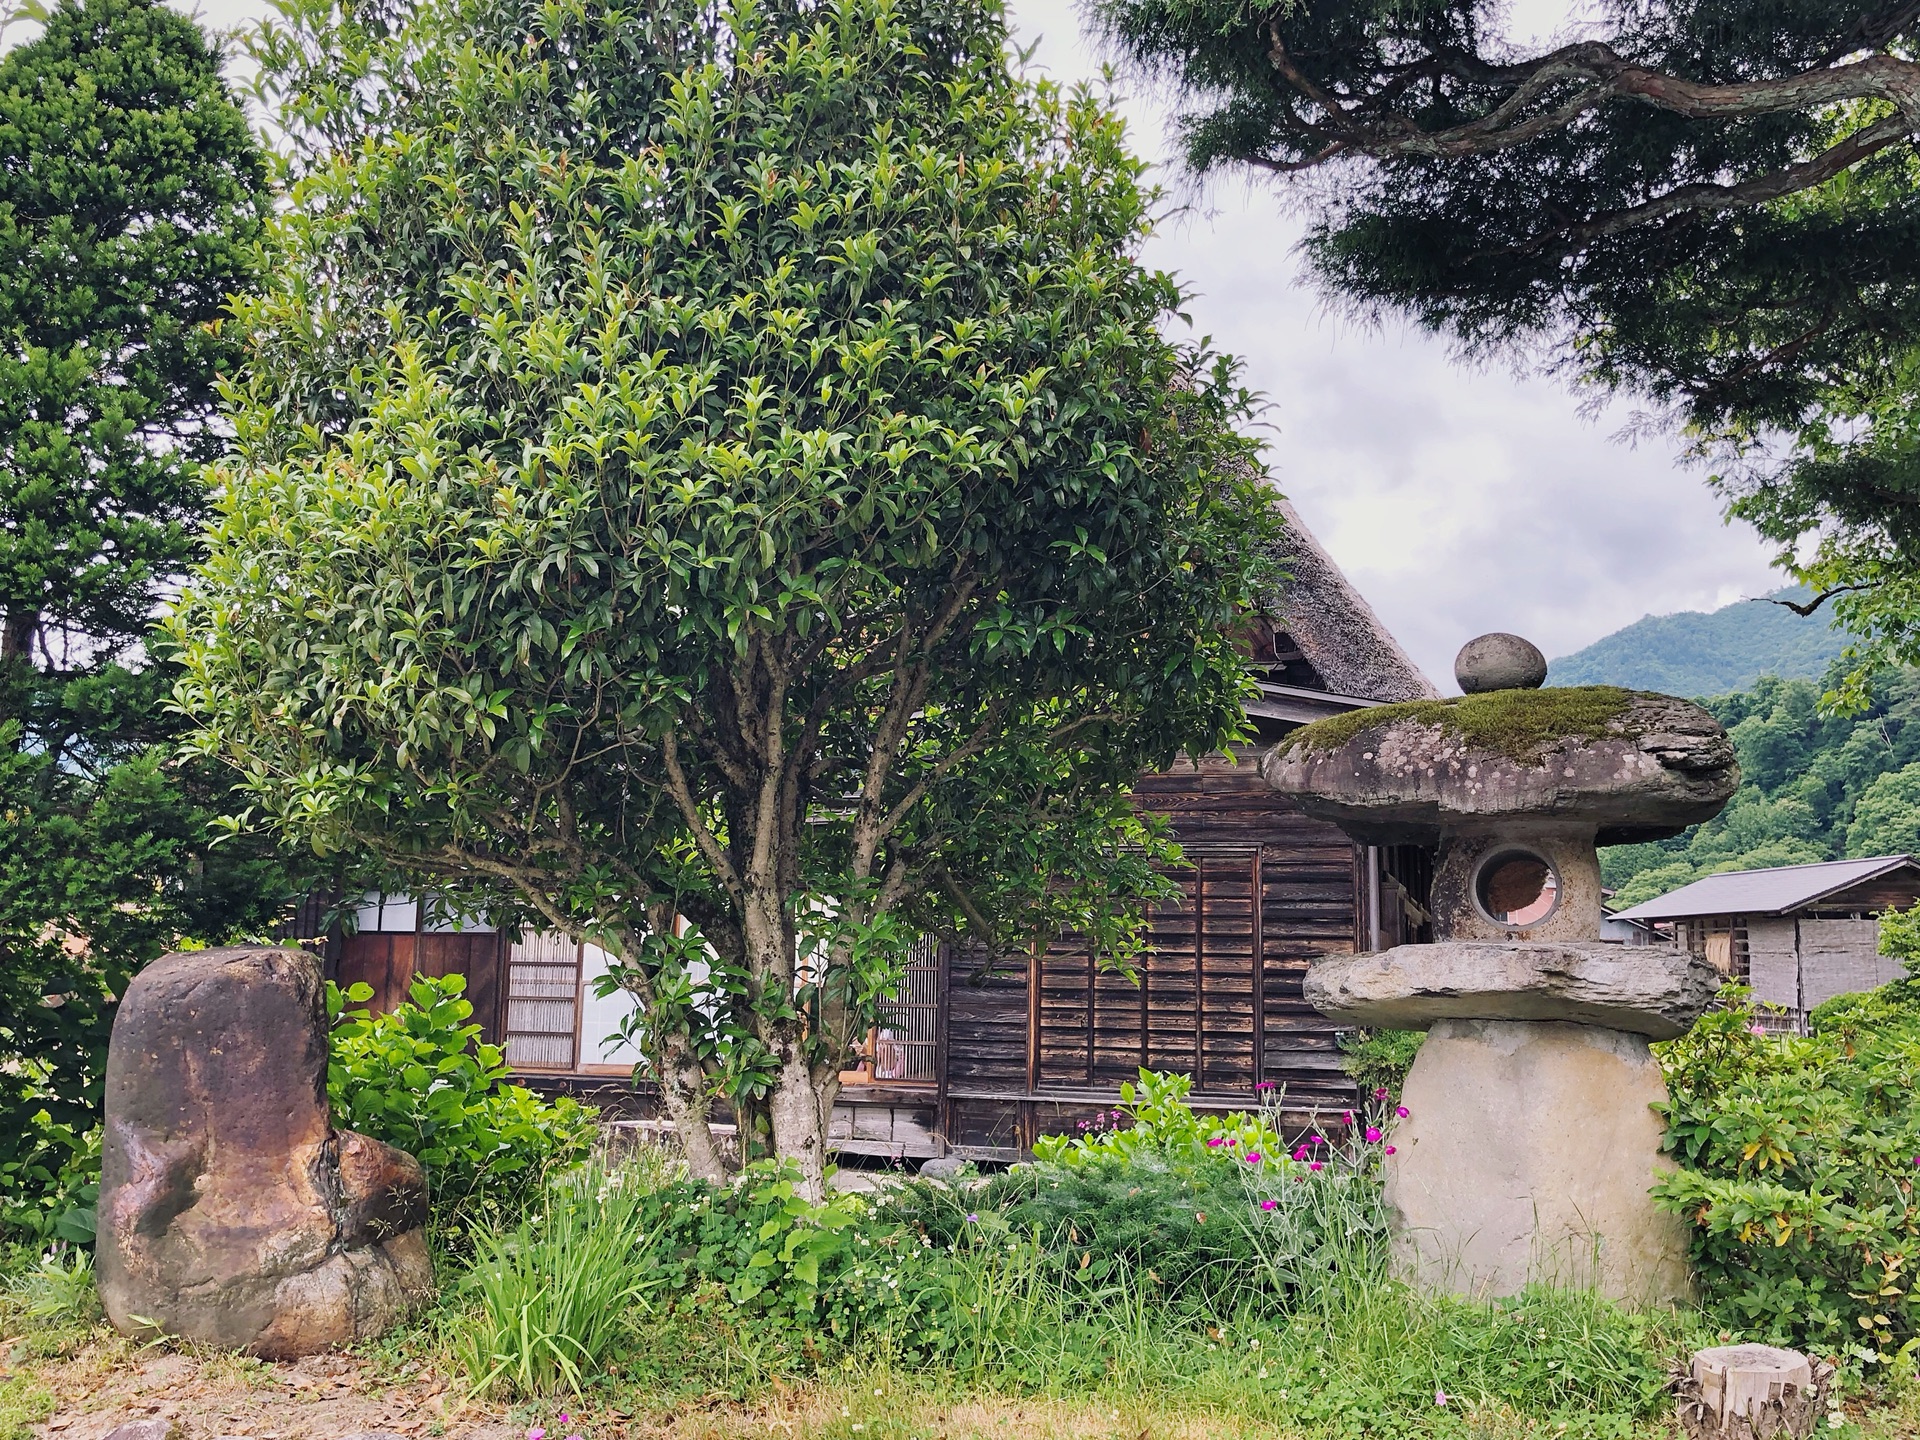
(1265, 893)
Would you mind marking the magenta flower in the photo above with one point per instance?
(1264, 1085)
(1301, 1153)
(1389, 1150)
(1346, 1117)
(1215, 1142)
(1373, 1135)
(1253, 1157)
(538, 1432)
(1233, 1139)
(1402, 1111)
(1269, 1204)
(1381, 1093)
(1316, 1139)
(1314, 1166)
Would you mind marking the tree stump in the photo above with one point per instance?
(1752, 1392)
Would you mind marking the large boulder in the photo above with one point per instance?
(1527, 1156)
(231, 1211)
(1652, 991)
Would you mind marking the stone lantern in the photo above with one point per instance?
(1530, 1143)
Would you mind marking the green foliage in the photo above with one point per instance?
(1115, 1273)
(1159, 1123)
(1797, 1162)
(131, 196)
(551, 1293)
(1378, 1060)
(418, 1078)
(133, 193)
(1708, 653)
(1520, 724)
(1886, 820)
(59, 1288)
(766, 494)
(1805, 778)
(50, 1185)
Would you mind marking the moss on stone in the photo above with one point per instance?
(1519, 724)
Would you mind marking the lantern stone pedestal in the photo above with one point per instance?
(1530, 1143)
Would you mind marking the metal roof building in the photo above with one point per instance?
(1798, 934)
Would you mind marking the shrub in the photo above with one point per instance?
(1797, 1165)
(1380, 1059)
(419, 1078)
(50, 1185)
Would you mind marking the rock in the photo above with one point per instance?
(145, 1430)
(1527, 1156)
(1629, 767)
(942, 1167)
(230, 1211)
(1751, 1392)
(1651, 991)
(1499, 662)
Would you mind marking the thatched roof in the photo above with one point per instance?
(1334, 627)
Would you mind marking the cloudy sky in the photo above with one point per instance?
(1459, 499)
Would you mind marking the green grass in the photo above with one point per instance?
(1520, 724)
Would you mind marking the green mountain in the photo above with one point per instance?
(1702, 653)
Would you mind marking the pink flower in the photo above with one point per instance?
(1388, 1150)
(1269, 1204)
(1316, 1139)
(1303, 1152)
(1759, 1030)
(1346, 1117)
(538, 1432)
(1373, 1135)
(1381, 1093)
(1402, 1111)
(1439, 1397)
(1214, 1142)
(1314, 1166)
(1253, 1157)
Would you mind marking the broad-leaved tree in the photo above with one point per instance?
(714, 480)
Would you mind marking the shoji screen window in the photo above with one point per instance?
(555, 1020)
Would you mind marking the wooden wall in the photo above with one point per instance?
(390, 961)
(1033, 1047)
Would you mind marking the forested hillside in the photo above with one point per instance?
(1701, 653)
(1811, 789)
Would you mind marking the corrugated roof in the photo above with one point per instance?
(1764, 892)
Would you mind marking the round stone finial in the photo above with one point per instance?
(1499, 662)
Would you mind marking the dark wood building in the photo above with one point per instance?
(979, 1059)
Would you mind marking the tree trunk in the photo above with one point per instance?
(683, 1090)
(800, 1108)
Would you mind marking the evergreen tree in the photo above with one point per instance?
(132, 195)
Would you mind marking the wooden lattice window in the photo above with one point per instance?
(904, 1048)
